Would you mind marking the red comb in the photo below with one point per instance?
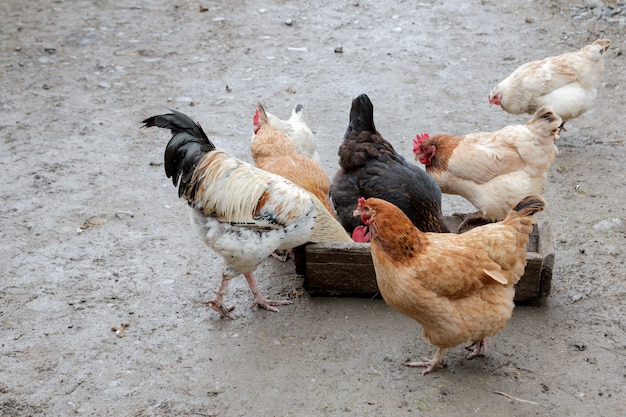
(361, 202)
(256, 121)
(419, 139)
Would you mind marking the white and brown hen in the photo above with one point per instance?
(297, 131)
(493, 170)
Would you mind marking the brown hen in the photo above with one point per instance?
(458, 287)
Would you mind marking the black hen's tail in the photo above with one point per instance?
(188, 145)
(361, 115)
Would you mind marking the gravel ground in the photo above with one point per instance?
(103, 283)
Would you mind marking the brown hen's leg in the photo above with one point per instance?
(469, 219)
(478, 348)
(431, 365)
(261, 301)
(217, 305)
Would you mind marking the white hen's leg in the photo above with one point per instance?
(431, 365)
(217, 305)
(261, 301)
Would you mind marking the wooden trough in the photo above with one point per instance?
(341, 269)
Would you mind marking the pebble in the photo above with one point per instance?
(598, 10)
(609, 225)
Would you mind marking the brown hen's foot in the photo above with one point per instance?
(468, 219)
(478, 348)
(431, 365)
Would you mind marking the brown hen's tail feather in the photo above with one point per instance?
(530, 205)
(521, 217)
(185, 149)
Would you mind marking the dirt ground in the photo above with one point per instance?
(95, 238)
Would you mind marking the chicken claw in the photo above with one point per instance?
(478, 348)
(269, 304)
(220, 309)
(261, 301)
(431, 365)
(217, 305)
(283, 255)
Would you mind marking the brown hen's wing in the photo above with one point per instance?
(452, 268)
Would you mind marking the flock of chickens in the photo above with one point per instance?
(458, 286)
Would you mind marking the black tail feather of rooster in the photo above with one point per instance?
(185, 149)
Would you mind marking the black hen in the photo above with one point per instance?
(370, 167)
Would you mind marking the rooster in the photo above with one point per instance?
(566, 83)
(297, 131)
(459, 287)
(370, 167)
(241, 212)
(272, 151)
(493, 170)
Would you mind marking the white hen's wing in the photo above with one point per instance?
(481, 157)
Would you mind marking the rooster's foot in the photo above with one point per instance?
(478, 348)
(269, 304)
(220, 309)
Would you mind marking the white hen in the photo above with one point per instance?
(566, 83)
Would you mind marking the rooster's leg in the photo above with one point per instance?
(478, 348)
(217, 305)
(469, 218)
(259, 300)
(438, 362)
